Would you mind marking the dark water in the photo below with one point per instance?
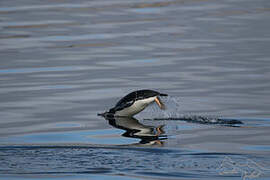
(62, 62)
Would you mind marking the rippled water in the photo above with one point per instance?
(62, 62)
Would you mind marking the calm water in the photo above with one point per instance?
(62, 62)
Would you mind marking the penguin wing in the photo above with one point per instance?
(122, 105)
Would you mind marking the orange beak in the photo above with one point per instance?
(159, 103)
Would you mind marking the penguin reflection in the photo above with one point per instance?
(149, 135)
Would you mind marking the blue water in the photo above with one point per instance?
(100, 154)
(61, 63)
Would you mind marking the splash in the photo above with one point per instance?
(173, 112)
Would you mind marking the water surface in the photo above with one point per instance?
(62, 62)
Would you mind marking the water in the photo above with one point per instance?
(62, 62)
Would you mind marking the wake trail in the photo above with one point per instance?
(173, 112)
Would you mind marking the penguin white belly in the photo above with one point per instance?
(135, 108)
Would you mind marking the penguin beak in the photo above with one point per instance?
(159, 103)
